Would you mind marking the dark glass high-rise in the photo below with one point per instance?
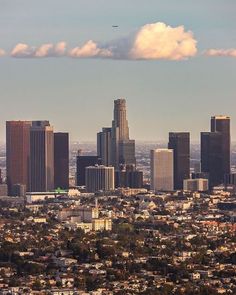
(41, 157)
(61, 160)
(104, 146)
(81, 163)
(211, 157)
(222, 124)
(179, 142)
(215, 150)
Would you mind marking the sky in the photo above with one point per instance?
(173, 60)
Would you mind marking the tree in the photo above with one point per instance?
(37, 285)
(14, 282)
(80, 283)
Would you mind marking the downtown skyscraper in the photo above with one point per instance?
(81, 163)
(179, 142)
(61, 160)
(30, 155)
(17, 153)
(215, 150)
(41, 157)
(162, 170)
(99, 178)
(122, 147)
(104, 146)
(221, 124)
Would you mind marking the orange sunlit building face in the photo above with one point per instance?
(17, 153)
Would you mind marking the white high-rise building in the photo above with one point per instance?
(162, 170)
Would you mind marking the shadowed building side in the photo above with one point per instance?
(81, 163)
(222, 124)
(179, 142)
(215, 150)
(211, 157)
(104, 146)
(99, 178)
(41, 157)
(61, 160)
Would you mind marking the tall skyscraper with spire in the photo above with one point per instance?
(123, 149)
(120, 123)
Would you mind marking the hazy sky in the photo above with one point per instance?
(174, 78)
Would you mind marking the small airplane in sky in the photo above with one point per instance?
(115, 26)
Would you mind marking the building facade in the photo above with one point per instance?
(129, 178)
(221, 124)
(99, 178)
(215, 150)
(123, 149)
(211, 157)
(162, 170)
(17, 153)
(198, 184)
(81, 163)
(179, 142)
(61, 160)
(41, 157)
(104, 146)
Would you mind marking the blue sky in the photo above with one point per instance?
(76, 94)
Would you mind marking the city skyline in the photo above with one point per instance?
(117, 147)
(48, 83)
(38, 158)
(93, 139)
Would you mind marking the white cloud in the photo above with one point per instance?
(221, 52)
(45, 50)
(159, 41)
(22, 50)
(2, 52)
(152, 41)
(90, 49)
(60, 48)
